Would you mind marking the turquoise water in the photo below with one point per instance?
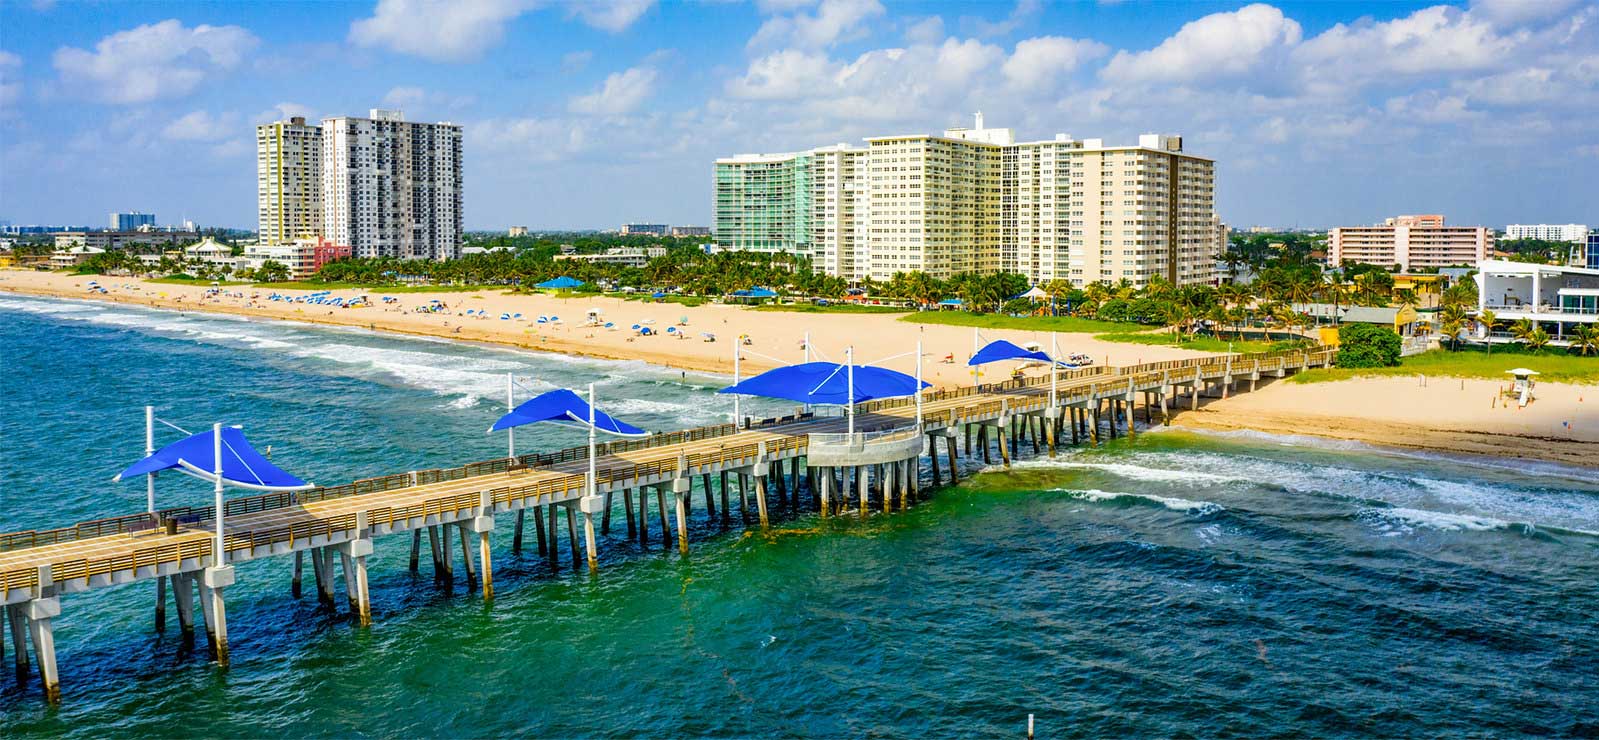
(1180, 585)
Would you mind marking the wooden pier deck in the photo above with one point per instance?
(177, 545)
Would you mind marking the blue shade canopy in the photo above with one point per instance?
(756, 292)
(1000, 349)
(242, 466)
(827, 383)
(951, 302)
(564, 407)
(560, 282)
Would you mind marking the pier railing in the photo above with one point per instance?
(1144, 374)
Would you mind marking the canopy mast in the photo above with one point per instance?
(1054, 370)
(849, 362)
(149, 449)
(974, 354)
(592, 477)
(918, 384)
(510, 405)
(736, 421)
(216, 436)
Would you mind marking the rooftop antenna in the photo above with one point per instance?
(979, 120)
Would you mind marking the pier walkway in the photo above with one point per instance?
(881, 461)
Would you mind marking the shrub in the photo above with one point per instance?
(1367, 345)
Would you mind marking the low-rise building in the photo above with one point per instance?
(1558, 297)
(303, 257)
(626, 256)
(121, 239)
(646, 229)
(517, 231)
(210, 251)
(1410, 242)
(73, 256)
(681, 231)
(1574, 233)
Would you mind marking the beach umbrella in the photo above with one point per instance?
(658, 294)
(610, 325)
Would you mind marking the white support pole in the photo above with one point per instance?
(510, 404)
(593, 476)
(918, 384)
(1054, 371)
(974, 354)
(849, 360)
(216, 447)
(807, 346)
(736, 420)
(149, 449)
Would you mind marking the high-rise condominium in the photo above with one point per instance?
(391, 188)
(975, 200)
(288, 183)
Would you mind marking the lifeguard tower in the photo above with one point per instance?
(1523, 384)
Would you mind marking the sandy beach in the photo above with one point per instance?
(776, 337)
(1444, 415)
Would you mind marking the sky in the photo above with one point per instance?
(590, 115)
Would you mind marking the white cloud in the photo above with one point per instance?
(283, 111)
(575, 61)
(151, 62)
(10, 83)
(611, 15)
(929, 30)
(1511, 13)
(1026, 12)
(786, 74)
(400, 97)
(623, 92)
(1430, 106)
(1217, 45)
(1440, 39)
(1036, 62)
(202, 126)
(832, 22)
(441, 30)
(541, 139)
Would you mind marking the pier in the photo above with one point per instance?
(801, 462)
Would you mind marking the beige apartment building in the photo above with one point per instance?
(288, 186)
(975, 200)
(1409, 242)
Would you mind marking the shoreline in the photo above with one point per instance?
(776, 338)
(1387, 412)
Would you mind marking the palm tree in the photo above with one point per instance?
(1537, 340)
(1486, 318)
(1522, 329)
(1453, 320)
(1585, 339)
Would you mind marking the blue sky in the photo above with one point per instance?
(593, 114)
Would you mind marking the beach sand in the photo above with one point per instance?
(1444, 415)
(777, 337)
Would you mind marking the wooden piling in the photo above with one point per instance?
(954, 470)
(605, 517)
(627, 506)
(660, 504)
(571, 533)
(416, 552)
(760, 499)
(516, 536)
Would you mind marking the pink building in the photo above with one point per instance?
(1410, 242)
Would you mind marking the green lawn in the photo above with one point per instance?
(185, 280)
(1556, 365)
(1201, 343)
(1070, 324)
(830, 308)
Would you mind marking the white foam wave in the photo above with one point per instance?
(1130, 471)
(1398, 521)
(1175, 504)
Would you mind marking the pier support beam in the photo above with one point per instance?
(681, 488)
(591, 506)
(19, 637)
(353, 554)
(212, 581)
(954, 470)
(40, 612)
(516, 534)
(627, 505)
(183, 598)
(660, 506)
(759, 472)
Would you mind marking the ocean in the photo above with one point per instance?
(1175, 585)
